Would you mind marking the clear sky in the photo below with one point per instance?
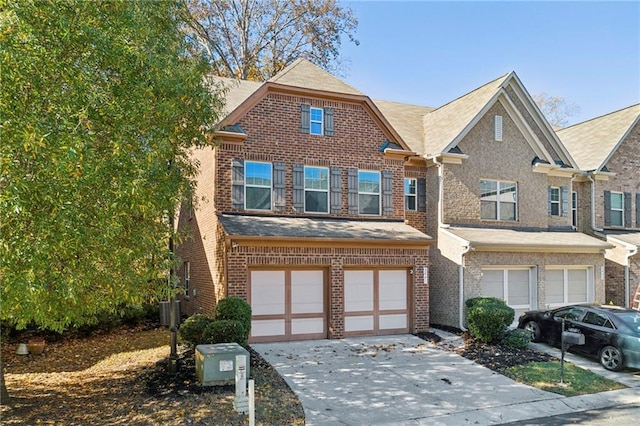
(430, 52)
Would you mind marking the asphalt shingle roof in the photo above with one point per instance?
(591, 142)
(297, 227)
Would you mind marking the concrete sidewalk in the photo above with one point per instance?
(405, 380)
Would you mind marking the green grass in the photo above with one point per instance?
(546, 376)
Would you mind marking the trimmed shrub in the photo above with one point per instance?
(234, 309)
(488, 318)
(192, 330)
(517, 338)
(225, 331)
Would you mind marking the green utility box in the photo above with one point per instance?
(216, 364)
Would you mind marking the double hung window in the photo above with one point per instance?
(410, 194)
(258, 183)
(368, 192)
(316, 189)
(498, 200)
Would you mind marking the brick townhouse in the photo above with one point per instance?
(312, 208)
(319, 206)
(607, 148)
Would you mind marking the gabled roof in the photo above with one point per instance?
(407, 120)
(235, 91)
(593, 142)
(304, 74)
(445, 124)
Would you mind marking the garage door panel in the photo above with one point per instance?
(577, 285)
(307, 292)
(267, 292)
(392, 290)
(359, 323)
(358, 291)
(260, 328)
(397, 321)
(519, 293)
(307, 325)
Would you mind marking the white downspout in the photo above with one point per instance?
(593, 205)
(627, 284)
(461, 288)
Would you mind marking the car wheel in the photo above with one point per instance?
(611, 358)
(533, 328)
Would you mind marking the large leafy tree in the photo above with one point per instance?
(100, 104)
(255, 39)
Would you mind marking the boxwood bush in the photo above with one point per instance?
(488, 318)
(225, 331)
(234, 309)
(192, 330)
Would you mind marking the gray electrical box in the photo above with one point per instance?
(216, 364)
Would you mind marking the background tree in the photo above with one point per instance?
(255, 39)
(97, 97)
(556, 109)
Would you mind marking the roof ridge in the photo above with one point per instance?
(599, 117)
(402, 103)
(285, 70)
(472, 91)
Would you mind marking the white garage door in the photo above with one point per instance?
(376, 302)
(288, 305)
(565, 286)
(512, 285)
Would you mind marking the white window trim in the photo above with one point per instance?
(558, 202)
(621, 209)
(316, 190)
(312, 121)
(414, 195)
(246, 185)
(498, 183)
(379, 193)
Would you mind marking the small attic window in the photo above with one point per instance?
(498, 127)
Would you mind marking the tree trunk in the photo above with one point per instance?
(4, 394)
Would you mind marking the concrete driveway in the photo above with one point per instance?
(397, 379)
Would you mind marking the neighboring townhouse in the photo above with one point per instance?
(498, 196)
(608, 195)
(312, 208)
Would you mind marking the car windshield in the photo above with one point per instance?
(631, 319)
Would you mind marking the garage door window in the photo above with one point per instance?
(564, 286)
(510, 285)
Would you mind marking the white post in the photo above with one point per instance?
(241, 402)
(252, 404)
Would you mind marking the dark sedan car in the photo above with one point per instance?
(611, 333)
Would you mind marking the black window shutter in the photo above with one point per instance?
(607, 208)
(565, 200)
(298, 187)
(352, 186)
(422, 194)
(627, 210)
(305, 118)
(336, 189)
(279, 186)
(328, 122)
(387, 192)
(638, 210)
(237, 183)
